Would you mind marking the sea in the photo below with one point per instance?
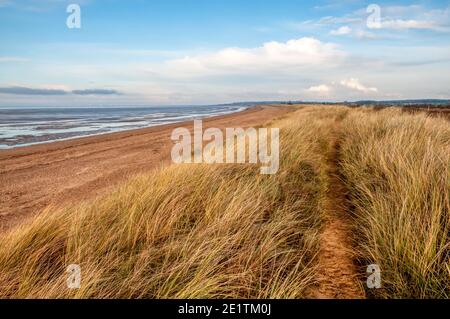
(22, 126)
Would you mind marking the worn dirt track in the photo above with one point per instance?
(71, 171)
(337, 273)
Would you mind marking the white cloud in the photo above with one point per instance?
(414, 17)
(329, 20)
(270, 57)
(320, 89)
(344, 88)
(407, 24)
(341, 31)
(356, 85)
(300, 69)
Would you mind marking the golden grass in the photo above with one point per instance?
(225, 231)
(185, 231)
(398, 170)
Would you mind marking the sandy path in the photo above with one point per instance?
(70, 171)
(338, 276)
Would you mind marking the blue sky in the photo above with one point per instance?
(214, 51)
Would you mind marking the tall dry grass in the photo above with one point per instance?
(398, 170)
(185, 231)
(192, 231)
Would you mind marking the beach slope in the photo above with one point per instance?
(71, 171)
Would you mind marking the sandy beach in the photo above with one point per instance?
(71, 171)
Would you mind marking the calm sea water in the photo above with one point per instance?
(27, 126)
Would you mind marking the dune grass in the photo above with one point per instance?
(185, 231)
(226, 231)
(397, 167)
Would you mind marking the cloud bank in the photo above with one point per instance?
(95, 92)
(355, 84)
(321, 89)
(270, 57)
(351, 85)
(20, 90)
(341, 31)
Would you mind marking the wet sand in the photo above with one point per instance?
(71, 171)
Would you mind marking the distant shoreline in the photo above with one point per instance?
(69, 128)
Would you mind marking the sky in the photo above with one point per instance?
(184, 52)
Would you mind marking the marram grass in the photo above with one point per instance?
(226, 231)
(184, 231)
